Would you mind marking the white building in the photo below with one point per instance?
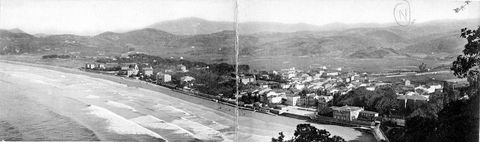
(167, 78)
(182, 68)
(332, 74)
(162, 77)
(299, 86)
(187, 78)
(292, 100)
(372, 88)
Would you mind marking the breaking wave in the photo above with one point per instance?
(121, 125)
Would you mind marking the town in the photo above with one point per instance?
(240, 70)
(322, 94)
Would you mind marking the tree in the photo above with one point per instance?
(382, 100)
(419, 129)
(458, 120)
(423, 67)
(308, 133)
(222, 68)
(280, 138)
(468, 64)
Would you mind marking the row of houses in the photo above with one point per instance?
(133, 69)
(144, 71)
(415, 96)
(287, 94)
(100, 66)
(320, 83)
(130, 69)
(351, 113)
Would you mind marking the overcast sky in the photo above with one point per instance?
(87, 17)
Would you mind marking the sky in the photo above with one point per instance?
(89, 17)
(321, 12)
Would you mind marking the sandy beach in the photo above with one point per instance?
(89, 106)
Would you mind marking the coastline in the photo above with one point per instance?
(226, 109)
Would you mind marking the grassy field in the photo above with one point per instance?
(278, 62)
(421, 79)
(347, 64)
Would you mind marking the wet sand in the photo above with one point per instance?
(95, 105)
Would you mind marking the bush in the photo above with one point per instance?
(308, 133)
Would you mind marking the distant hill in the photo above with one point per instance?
(16, 30)
(194, 26)
(259, 27)
(436, 41)
(16, 43)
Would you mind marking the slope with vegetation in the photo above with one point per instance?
(425, 42)
(449, 117)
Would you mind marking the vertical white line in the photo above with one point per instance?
(236, 70)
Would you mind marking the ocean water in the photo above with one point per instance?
(22, 119)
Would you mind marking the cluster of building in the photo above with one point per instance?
(100, 66)
(319, 84)
(133, 69)
(141, 71)
(412, 96)
(316, 88)
(307, 89)
(291, 88)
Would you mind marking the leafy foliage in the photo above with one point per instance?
(382, 100)
(468, 63)
(458, 120)
(392, 130)
(308, 133)
(214, 84)
(419, 129)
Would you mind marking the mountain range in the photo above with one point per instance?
(210, 41)
(194, 26)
